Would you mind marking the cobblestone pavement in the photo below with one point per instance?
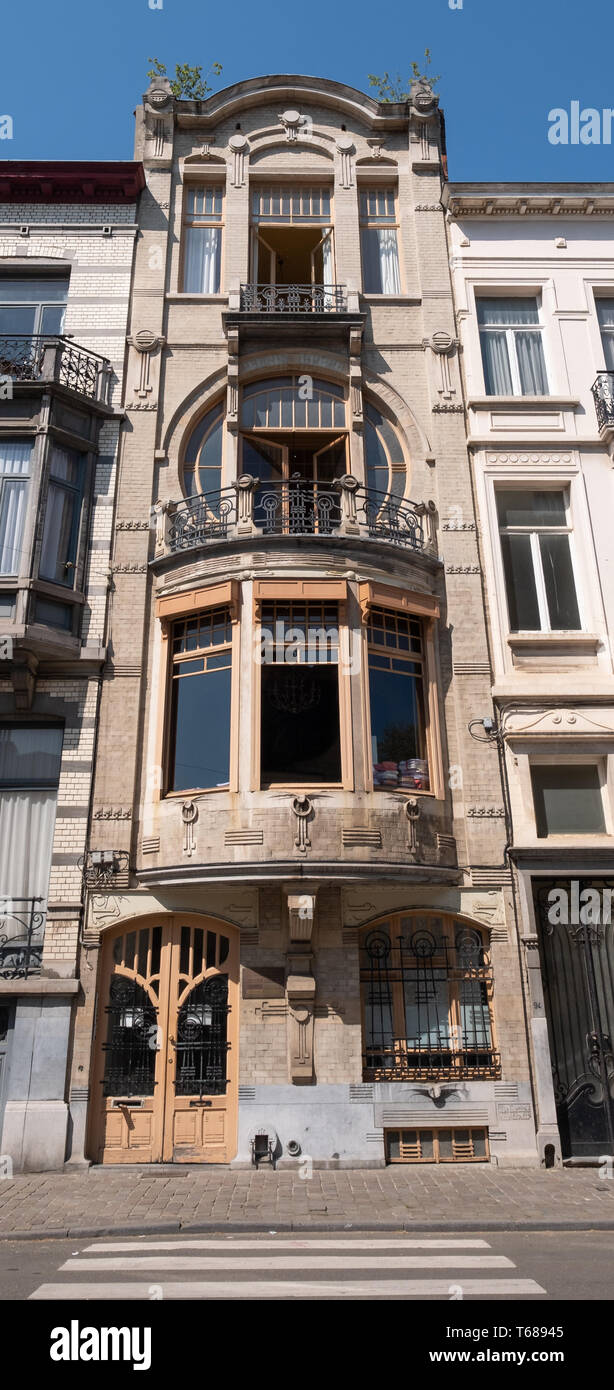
(150, 1199)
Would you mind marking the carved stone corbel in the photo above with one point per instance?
(300, 987)
(22, 674)
(443, 346)
(412, 811)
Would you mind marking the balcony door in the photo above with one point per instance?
(165, 1082)
(297, 473)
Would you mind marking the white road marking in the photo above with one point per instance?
(183, 1264)
(301, 1289)
(119, 1247)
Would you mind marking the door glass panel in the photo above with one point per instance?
(211, 943)
(130, 950)
(202, 1040)
(184, 955)
(143, 950)
(130, 1049)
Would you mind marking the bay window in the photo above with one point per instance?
(378, 239)
(62, 516)
(203, 240)
(535, 533)
(30, 758)
(512, 347)
(395, 645)
(300, 736)
(15, 460)
(30, 307)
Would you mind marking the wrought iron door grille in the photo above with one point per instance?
(427, 1007)
(201, 1044)
(132, 1040)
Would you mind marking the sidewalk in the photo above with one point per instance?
(162, 1199)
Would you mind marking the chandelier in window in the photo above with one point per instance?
(296, 693)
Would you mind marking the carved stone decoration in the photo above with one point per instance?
(300, 987)
(423, 100)
(303, 810)
(290, 120)
(412, 811)
(145, 378)
(442, 346)
(189, 816)
(239, 147)
(346, 149)
(158, 108)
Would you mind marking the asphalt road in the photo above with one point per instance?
(531, 1267)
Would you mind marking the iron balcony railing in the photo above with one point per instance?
(22, 928)
(55, 359)
(293, 299)
(603, 396)
(294, 507)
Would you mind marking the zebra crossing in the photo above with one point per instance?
(331, 1267)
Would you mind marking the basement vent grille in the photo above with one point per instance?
(243, 837)
(506, 1090)
(373, 838)
(247, 1092)
(361, 1095)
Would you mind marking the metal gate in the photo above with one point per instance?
(576, 946)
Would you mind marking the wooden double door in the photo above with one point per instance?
(165, 1079)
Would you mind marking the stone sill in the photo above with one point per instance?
(179, 297)
(39, 984)
(535, 641)
(523, 402)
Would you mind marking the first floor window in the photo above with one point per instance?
(300, 721)
(426, 991)
(535, 535)
(201, 697)
(378, 240)
(512, 347)
(15, 456)
(396, 698)
(30, 758)
(568, 799)
(203, 241)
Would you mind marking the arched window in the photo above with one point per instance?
(297, 402)
(384, 457)
(426, 982)
(202, 466)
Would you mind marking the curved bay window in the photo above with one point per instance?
(201, 701)
(426, 983)
(395, 644)
(300, 693)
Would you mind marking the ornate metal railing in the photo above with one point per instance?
(297, 507)
(53, 358)
(391, 518)
(293, 299)
(603, 396)
(201, 519)
(405, 1060)
(294, 507)
(22, 928)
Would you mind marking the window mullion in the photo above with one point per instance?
(540, 584)
(513, 358)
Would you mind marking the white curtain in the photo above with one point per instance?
(14, 470)
(202, 260)
(327, 268)
(389, 260)
(27, 820)
(497, 374)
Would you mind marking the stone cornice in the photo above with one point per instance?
(77, 181)
(522, 199)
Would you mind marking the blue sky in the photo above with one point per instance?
(72, 71)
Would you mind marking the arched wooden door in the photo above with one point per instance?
(165, 1082)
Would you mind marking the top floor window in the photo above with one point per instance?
(292, 236)
(203, 240)
(378, 240)
(512, 347)
(605, 314)
(29, 307)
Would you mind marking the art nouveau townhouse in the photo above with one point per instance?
(533, 270)
(67, 236)
(300, 943)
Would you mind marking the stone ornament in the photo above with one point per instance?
(290, 120)
(412, 811)
(146, 343)
(303, 810)
(189, 816)
(239, 147)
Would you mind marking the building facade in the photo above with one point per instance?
(300, 942)
(67, 236)
(533, 271)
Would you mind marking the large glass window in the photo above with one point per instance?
(512, 347)
(300, 723)
(426, 991)
(539, 578)
(30, 758)
(292, 240)
(378, 239)
(203, 240)
(605, 314)
(31, 306)
(15, 457)
(201, 698)
(62, 516)
(568, 799)
(396, 698)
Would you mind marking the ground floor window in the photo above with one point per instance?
(426, 983)
(436, 1145)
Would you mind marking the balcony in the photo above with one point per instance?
(22, 926)
(295, 507)
(603, 396)
(293, 299)
(405, 1060)
(56, 360)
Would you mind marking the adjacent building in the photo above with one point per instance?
(67, 236)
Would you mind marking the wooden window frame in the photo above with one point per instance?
(435, 1131)
(258, 221)
(192, 185)
(414, 605)
(187, 604)
(305, 591)
(367, 220)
